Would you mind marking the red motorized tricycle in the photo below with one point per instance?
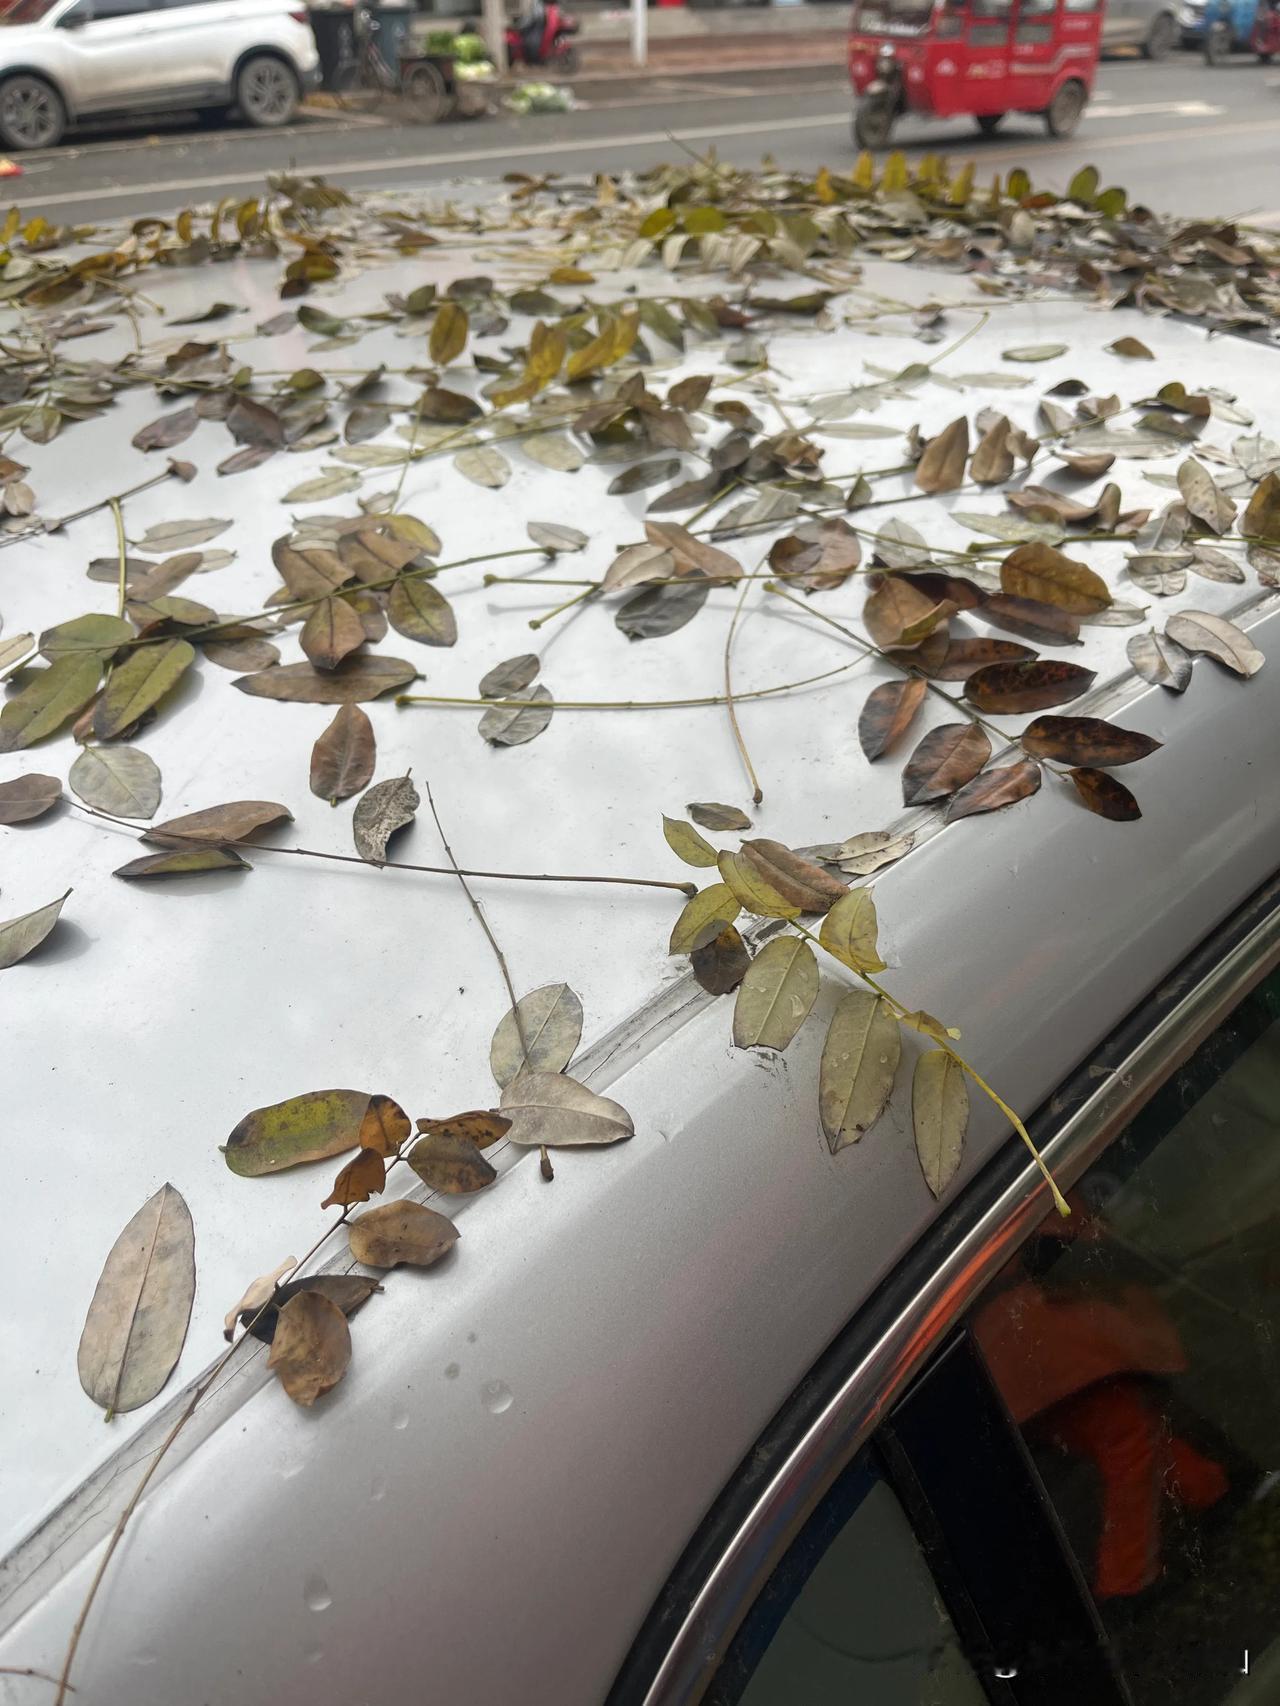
(942, 58)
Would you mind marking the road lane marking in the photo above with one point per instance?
(1185, 109)
(523, 148)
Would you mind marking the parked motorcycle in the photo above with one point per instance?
(543, 35)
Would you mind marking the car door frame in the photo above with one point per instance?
(905, 1327)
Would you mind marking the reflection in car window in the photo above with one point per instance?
(851, 1614)
(1137, 1346)
(28, 11)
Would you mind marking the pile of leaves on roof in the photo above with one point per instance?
(562, 354)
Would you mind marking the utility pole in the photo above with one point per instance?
(493, 27)
(639, 32)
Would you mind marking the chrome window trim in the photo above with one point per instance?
(857, 1408)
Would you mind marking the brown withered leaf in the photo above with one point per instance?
(510, 676)
(1105, 796)
(453, 1165)
(1085, 740)
(1016, 687)
(1047, 575)
(1203, 499)
(385, 1126)
(349, 1291)
(515, 722)
(386, 808)
(956, 659)
(819, 555)
(359, 1180)
(215, 826)
(168, 430)
(374, 557)
(343, 758)
(246, 655)
(416, 610)
(1089, 466)
(1041, 503)
(993, 459)
(481, 1126)
(310, 1348)
(1042, 623)
(1216, 637)
(899, 614)
(552, 1109)
(188, 862)
(798, 880)
(994, 789)
(355, 680)
(137, 1321)
(710, 814)
(399, 1232)
(720, 964)
(691, 554)
(941, 468)
(27, 797)
(251, 422)
(946, 759)
(888, 714)
(311, 573)
(1160, 660)
(331, 632)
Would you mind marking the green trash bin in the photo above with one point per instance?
(391, 27)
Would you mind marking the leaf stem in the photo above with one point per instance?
(122, 551)
(757, 792)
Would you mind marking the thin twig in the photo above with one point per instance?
(30, 1670)
(757, 792)
(122, 551)
(384, 864)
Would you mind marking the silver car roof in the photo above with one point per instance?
(537, 1425)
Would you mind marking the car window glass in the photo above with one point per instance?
(851, 1614)
(1037, 8)
(1137, 1346)
(99, 11)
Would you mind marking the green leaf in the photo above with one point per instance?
(49, 698)
(140, 682)
(685, 842)
(939, 1113)
(752, 890)
(94, 634)
(849, 932)
(859, 1060)
(188, 862)
(777, 994)
(303, 1128)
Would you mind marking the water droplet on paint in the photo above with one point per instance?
(496, 1396)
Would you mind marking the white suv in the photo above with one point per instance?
(61, 60)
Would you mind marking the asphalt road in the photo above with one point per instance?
(1176, 135)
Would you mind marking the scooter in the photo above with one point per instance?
(1224, 25)
(542, 35)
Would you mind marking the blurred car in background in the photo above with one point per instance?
(63, 60)
(1154, 26)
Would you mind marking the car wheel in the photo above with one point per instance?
(872, 123)
(1161, 37)
(31, 113)
(1062, 115)
(266, 91)
(989, 123)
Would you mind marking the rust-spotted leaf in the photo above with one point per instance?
(310, 1127)
(948, 757)
(1085, 740)
(385, 1126)
(1104, 795)
(383, 811)
(401, 1232)
(481, 1126)
(1015, 687)
(453, 1165)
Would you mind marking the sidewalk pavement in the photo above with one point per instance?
(686, 39)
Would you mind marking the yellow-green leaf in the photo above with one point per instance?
(859, 1060)
(717, 905)
(48, 699)
(140, 682)
(685, 842)
(448, 333)
(777, 994)
(751, 890)
(939, 1113)
(849, 932)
